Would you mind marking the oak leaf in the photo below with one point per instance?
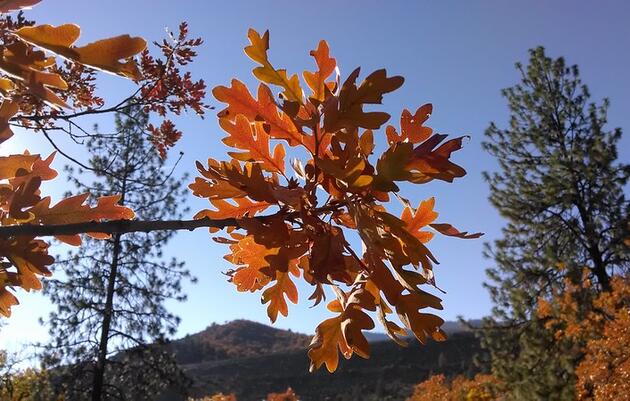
(257, 51)
(255, 142)
(326, 66)
(275, 294)
(105, 54)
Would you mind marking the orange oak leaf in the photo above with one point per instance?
(411, 126)
(342, 333)
(30, 257)
(10, 165)
(421, 217)
(346, 111)
(225, 209)
(40, 168)
(7, 300)
(7, 110)
(278, 123)
(251, 180)
(216, 184)
(326, 65)
(422, 325)
(255, 143)
(73, 210)
(275, 294)
(103, 54)
(250, 257)
(25, 196)
(257, 51)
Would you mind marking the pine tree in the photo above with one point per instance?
(560, 187)
(110, 295)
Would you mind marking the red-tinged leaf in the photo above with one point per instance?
(275, 296)
(447, 229)
(428, 163)
(255, 143)
(326, 65)
(164, 137)
(225, 209)
(421, 217)
(411, 125)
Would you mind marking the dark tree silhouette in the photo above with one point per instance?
(560, 187)
(110, 296)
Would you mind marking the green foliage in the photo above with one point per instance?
(561, 189)
(110, 296)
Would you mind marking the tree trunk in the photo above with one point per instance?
(101, 362)
(99, 371)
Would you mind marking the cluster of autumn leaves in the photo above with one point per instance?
(337, 189)
(598, 324)
(340, 187)
(601, 328)
(29, 75)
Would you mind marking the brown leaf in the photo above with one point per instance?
(447, 229)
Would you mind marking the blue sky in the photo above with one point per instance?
(456, 55)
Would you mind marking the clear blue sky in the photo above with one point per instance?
(456, 55)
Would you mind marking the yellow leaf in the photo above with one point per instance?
(257, 51)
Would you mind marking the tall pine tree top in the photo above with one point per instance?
(561, 189)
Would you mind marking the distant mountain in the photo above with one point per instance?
(236, 339)
(448, 327)
(251, 359)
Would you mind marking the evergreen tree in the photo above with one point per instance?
(110, 306)
(561, 189)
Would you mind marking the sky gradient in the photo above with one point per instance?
(456, 55)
